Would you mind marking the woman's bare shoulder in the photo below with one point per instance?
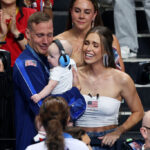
(121, 77)
(63, 36)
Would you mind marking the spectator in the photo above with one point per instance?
(31, 72)
(13, 22)
(104, 88)
(126, 28)
(41, 5)
(54, 115)
(84, 14)
(145, 130)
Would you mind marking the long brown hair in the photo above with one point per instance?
(98, 18)
(54, 114)
(106, 38)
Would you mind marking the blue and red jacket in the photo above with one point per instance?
(25, 109)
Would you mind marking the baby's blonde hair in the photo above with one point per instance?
(66, 45)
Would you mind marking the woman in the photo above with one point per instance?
(13, 22)
(54, 115)
(103, 88)
(83, 15)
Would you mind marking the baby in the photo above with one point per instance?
(61, 77)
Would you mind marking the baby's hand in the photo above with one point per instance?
(35, 98)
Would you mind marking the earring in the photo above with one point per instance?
(105, 60)
(92, 24)
(72, 24)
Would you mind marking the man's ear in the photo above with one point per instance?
(27, 32)
(143, 132)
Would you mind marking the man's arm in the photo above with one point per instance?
(37, 79)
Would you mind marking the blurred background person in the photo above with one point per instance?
(145, 130)
(13, 22)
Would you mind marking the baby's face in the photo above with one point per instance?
(53, 55)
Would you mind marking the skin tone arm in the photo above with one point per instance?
(13, 29)
(45, 92)
(48, 8)
(130, 95)
(3, 27)
(15, 32)
(116, 45)
(76, 82)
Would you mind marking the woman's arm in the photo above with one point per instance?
(117, 47)
(130, 95)
(22, 41)
(3, 27)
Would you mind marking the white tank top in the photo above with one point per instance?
(102, 111)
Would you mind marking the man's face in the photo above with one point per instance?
(41, 36)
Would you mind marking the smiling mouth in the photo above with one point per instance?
(44, 47)
(88, 55)
(81, 22)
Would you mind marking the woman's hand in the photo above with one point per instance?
(110, 138)
(3, 25)
(13, 27)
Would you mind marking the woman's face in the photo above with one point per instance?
(83, 14)
(92, 49)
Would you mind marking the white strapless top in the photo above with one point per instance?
(102, 111)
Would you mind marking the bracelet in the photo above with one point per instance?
(20, 37)
(2, 42)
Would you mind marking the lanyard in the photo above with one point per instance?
(37, 57)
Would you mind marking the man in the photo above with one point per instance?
(145, 130)
(30, 75)
(126, 26)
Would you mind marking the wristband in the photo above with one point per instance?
(20, 37)
(2, 42)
